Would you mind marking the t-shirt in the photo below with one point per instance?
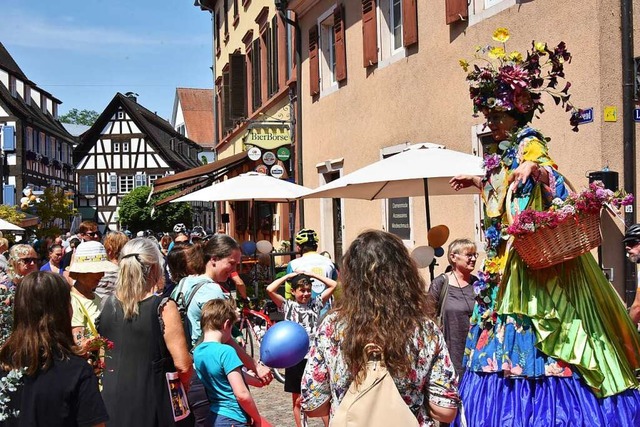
(91, 305)
(320, 265)
(303, 314)
(211, 290)
(66, 395)
(213, 362)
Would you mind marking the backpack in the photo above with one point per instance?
(376, 402)
(183, 307)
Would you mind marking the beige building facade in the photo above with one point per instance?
(361, 103)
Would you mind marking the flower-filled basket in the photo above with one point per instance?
(570, 227)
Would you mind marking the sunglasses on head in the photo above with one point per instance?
(28, 260)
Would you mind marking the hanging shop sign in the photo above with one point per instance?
(269, 158)
(268, 138)
(254, 153)
(277, 171)
(283, 154)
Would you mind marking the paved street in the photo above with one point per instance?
(275, 405)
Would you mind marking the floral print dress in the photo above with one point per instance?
(431, 379)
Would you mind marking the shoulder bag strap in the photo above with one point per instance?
(85, 313)
(193, 293)
(444, 292)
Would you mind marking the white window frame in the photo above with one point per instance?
(120, 115)
(479, 10)
(327, 52)
(152, 178)
(387, 53)
(113, 183)
(141, 180)
(126, 183)
(125, 146)
(116, 147)
(326, 204)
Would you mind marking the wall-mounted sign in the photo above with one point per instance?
(254, 153)
(586, 116)
(268, 158)
(277, 171)
(283, 154)
(268, 138)
(262, 169)
(636, 114)
(610, 113)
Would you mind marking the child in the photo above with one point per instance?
(304, 311)
(219, 368)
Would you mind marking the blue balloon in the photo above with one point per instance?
(284, 345)
(248, 247)
(438, 252)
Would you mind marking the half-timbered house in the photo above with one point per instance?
(128, 146)
(36, 148)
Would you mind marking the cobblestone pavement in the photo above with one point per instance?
(275, 406)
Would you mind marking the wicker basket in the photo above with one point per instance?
(546, 246)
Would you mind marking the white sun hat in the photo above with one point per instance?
(91, 257)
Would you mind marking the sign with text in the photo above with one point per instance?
(636, 115)
(586, 116)
(399, 220)
(268, 138)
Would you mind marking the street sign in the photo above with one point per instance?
(636, 115)
(586, 116)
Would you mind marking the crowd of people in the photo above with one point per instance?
(93, 338)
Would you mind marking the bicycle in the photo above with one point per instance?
(254, 324)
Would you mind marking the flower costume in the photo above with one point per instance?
(552, 346)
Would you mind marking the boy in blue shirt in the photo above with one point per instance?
(220, 369)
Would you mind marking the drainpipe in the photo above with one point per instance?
(215, 96)
(629, 132)
(281, 6)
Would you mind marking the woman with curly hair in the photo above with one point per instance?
(384, 302)
(59, 387)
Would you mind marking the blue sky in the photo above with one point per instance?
(84, 51)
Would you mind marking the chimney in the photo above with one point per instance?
(132, 96)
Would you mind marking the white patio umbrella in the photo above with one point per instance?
(7, 226)
(420, 170)
(250, 186)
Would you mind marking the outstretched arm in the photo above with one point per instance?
(329, 283)
(273, 287)
(463, 181)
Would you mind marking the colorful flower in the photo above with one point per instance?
(464, 64)
(501, 35)
(497, 53)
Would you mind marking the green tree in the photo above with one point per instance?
(135, 212)
(11, 214)
(53, 205)
(76, 117)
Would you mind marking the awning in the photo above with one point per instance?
(200, 175)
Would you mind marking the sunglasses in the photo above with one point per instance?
(632, 243)
(28, 260)
(93, 234)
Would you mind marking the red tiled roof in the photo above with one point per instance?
(197, 108)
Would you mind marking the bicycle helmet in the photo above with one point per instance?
(633, 233)
(307, 236)
(180, 228)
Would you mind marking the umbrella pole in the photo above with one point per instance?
(428, 216)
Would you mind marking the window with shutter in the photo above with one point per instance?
(8, 138)
(256, 74)
(409, 22)
(314, 62)
(283, 54)
(238, 95)
(113, 184)
(369, 33)
(9, 195)
(456, 10)
(340, 48)
(227, 123)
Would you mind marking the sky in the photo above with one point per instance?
(85, 51)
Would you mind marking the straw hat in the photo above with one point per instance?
(91, 257)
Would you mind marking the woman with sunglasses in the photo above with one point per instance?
(23, 260)
(454, 296)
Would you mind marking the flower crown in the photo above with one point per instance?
(509, 82)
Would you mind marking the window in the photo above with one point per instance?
(113, 184)
(120, 115)
(141, 180)
(256, 75)
(125, 147)
(181, 129)
(272, 57)
(327, 52)
(480, 10)
(126, 183)
(390, 32)
(289, 47)
(152, 178)
(388, 28)
(225, 5)
(87, 184)
(116, 147)
(217, 22)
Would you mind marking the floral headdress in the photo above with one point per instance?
(512, 82)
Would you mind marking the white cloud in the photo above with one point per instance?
(20, 29)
